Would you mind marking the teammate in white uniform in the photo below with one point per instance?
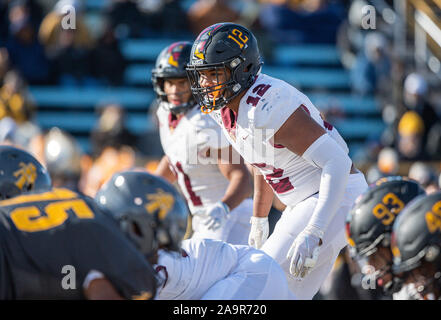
(153, 215)
(215, 270)
(303, 159)
(216, 191)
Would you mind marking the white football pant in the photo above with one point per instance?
(256, 277)
(294, 220)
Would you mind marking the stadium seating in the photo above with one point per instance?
(314, 69)
(84, 98)
(306, 54)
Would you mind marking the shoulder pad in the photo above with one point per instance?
(275, 106)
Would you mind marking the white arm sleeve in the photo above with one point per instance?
(325, 153)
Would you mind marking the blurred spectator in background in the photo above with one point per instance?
(410, 137)
(33, 8)
(147, 18)
(387, 165)
(62, 156)
(433, 145)
(111, 130)
(72, 64)
(126, 18)
(25, 51)
(68, 49)
(164, 17)
(350, 36)
(107, 61)
(51, 26)
(7, 130)
(110, 160)
(204, 13)
(415, 96)
(4, 26)
(424, 175)
(371, 70)
(14, 100)
(4, 64)
(113, 148)
(302, 21)
(17, 113)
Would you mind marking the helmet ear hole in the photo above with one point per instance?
(136, 229)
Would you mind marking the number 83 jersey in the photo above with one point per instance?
(47, 236)
(264, 108)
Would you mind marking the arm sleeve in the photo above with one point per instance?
(325, 153)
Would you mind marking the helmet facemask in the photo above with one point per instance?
(9, 190)
(170, 64)
(424, 273)
(426, 282)
(140, 229)
(158, 85)
(221, 93)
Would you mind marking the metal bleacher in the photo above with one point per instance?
(314, 69)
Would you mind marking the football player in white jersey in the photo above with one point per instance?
(153, 215)
(301, 158)
(217, 191)
(207, 269)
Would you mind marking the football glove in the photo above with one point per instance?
(304, 251)
(259, 231)
(215, 216)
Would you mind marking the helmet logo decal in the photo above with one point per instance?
(387, 210)
(433, 218)
(208, 30)
(198, 53)
(160, 201)
(27, 174)
(238, 37)
(175, 51)
(173, 61)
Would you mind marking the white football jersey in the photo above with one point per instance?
(264, 108)
(202, 263)
(213, 269)
(187, 148)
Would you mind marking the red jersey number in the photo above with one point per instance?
(260, 91)
(279, 185)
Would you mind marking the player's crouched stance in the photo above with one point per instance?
(301, 158)
(45, 231)
(416, 246)
(369, 227)
(215, 270)
(197, 155)
(154, 215)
